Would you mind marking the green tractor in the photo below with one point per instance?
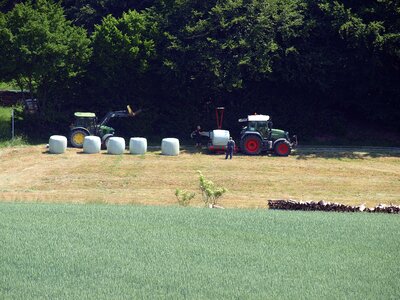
(259, 136)
(86, 124)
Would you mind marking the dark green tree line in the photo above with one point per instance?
(88, 13)
(38, 46)
(316, 66)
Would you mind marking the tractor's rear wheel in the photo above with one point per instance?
(77, 137)
(282, 148)
(105, 141)
(251, 145)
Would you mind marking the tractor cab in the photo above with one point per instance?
(85, 124)
(258, 123)
(86, 120)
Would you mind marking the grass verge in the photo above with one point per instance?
(107, 251)
(5, 130)
(16, 142)
(5, 123)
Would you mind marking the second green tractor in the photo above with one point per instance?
(86, 123)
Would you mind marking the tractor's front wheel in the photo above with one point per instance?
(251, 145)
(282, 148)
(77, 137)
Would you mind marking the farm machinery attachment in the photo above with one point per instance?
(86, 123)
(257, 136)
(217, 138)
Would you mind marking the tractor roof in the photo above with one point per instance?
(256, 118)
(85, 115)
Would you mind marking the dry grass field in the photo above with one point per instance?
(346, 176)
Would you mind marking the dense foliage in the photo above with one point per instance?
(321, 68)
(39, 48)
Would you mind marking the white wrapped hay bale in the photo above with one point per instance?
(91, 144)
(170, 146)
(116, 145)
(138, 145)
(220, 137)
(57, 144)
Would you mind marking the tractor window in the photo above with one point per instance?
(252, 126)
(84, 122)
(262, 128)
(261, 125)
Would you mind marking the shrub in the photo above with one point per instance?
(184, 197)
(209, 191)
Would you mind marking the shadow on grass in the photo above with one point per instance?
(338, 153)
(194, 150)
(183, 149)
(47, 152)
(341, 153)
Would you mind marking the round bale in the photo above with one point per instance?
(220, 137)
(170, 146)
(57, 144)
(138, 145)
(91, 144)
(116, 145)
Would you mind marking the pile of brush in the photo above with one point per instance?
(330, 206)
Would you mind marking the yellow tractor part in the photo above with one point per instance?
(78, 137)
(130, 111)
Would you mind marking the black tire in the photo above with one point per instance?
(77, 137)
(282, 148)
(105, 142)
(251, 145)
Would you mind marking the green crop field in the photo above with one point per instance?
(75, 251)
